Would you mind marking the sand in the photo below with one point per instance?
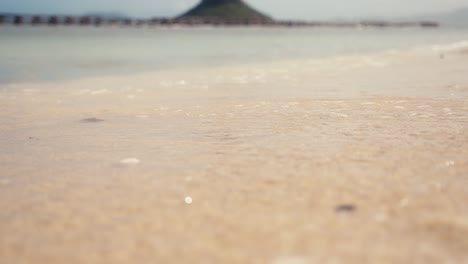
(358, 159)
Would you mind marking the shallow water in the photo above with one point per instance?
(47, 53)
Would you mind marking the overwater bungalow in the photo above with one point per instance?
(98, 21)
(53, 21)
(113, 22)
(36, 20)
(127, 22)
(155, 22)
(18, 20)
(141, 22)
(69, 20)
(84, 21)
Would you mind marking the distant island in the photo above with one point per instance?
(225, 10)
(206, 13)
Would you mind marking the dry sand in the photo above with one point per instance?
(347, 160)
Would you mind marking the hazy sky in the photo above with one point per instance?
(294, 9)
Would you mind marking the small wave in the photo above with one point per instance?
(461, 46)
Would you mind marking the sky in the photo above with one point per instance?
(280, 9)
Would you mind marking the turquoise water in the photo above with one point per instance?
(44, 53)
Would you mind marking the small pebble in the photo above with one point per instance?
(188, 200)
(92, 120)
(130, 161)
(345, 208)
(449, 163)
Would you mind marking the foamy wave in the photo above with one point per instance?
(460, 46)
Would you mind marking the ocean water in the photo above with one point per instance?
(30, 54)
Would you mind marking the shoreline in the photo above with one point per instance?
(144, 52)
(327, 63)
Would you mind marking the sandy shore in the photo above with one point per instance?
(344, 160)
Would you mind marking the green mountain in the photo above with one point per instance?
(226, 10)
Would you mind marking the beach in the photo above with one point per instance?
(357, 158)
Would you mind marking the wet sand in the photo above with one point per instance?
(358, 159)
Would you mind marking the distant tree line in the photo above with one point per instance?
(56, 20)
